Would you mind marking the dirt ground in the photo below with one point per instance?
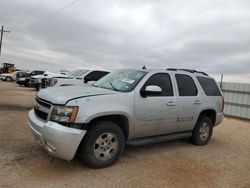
(224, 162)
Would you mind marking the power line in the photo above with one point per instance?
(49, 16)
(6, 10)
(34, 9)
(14, 11)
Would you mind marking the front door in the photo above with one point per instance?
(156, 115)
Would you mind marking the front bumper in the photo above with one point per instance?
(59, 141)
(33, 84)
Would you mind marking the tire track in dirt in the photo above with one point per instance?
(4, 107)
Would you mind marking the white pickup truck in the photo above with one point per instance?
(35, 81)
(9, 77)
(77, 77)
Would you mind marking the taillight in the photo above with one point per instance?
(222, 104)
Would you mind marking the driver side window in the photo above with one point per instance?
(162, 80)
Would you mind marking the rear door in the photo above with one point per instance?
(156, 114)
(188, 100)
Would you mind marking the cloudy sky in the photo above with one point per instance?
(212, 36)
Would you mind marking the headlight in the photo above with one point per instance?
(52, 82)
(65, 114)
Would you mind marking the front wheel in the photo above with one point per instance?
(202, 131)
(102, 145)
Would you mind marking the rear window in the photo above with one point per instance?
(209, 86)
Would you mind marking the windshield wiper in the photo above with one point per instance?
(113, 86)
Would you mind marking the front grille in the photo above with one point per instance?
(51, 82)
(47, 82)
(44, 83)
(41, 114)
(43, 102)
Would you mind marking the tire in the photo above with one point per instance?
(202, 131)
(8, 79)
(102, 145)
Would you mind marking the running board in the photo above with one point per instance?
(157, 139)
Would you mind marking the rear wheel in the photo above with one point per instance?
(8, 79)
(203, 131)
(102, 145)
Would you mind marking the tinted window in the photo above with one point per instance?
(163, 81)
(186, 85)
(24, 75)
(37, 72)
(209, 86)
(76, 73)
(96, 75)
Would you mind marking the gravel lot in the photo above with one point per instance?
(224, 162)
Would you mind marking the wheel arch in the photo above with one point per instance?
(211, 113)
(121, 120)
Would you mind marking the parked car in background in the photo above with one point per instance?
(134, 107)
(35, 81)
(9, 77)
(24, 78)
(21, 73)
(77, 77)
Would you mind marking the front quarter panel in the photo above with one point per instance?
(101, 105)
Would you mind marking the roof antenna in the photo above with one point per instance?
(144, 67)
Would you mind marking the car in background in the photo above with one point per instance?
(24, 78)
(21, 73)
(10, 77)
(35, 81)
(77, 77)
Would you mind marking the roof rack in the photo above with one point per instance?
(187, 70)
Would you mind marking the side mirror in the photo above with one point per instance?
(151, 90)
(86, 79)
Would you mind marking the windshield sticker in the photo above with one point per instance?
(128, 81)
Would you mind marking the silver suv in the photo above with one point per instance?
(133, 107)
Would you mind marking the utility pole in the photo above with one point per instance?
(221, 80)
(2, 31)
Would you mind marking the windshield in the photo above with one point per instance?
(76, 73)
(121, 80)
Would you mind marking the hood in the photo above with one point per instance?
(37, 76)
(61, 95)
(49, 75)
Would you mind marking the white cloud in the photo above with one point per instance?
(212, 36)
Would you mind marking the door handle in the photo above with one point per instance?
(197, 102)
(171, 103)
